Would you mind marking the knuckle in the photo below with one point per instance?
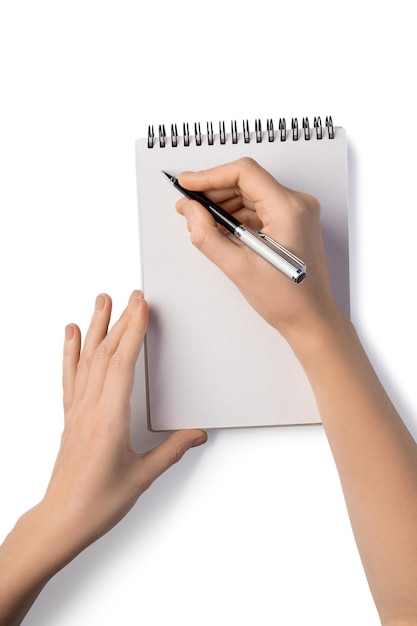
(83, 363)
(303, 205)
(246, 165)
(122, 361)
(246, 162)
(313, 204)
(101, 352)
(116, 362)
(198, 238)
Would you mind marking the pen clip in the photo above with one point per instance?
(274, 245)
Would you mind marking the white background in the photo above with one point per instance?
(251, 528)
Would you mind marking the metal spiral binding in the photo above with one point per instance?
(330, 127)
(210, 136)
(186, 134)
(234, 131)
(318, 127)
(282, 125)
(270, 130)
(246, 134)
(222, 133)
(197, 133)
(294, 128)
(174, 135)
(306, 127)
(258, 131)
(282, 135)
(162, 136)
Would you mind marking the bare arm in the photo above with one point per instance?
(376, 456)
(97, 476)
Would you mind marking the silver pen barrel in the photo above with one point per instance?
(278, 256)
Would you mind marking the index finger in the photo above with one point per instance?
(119, 379)
(245, 176)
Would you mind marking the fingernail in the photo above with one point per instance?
(135, 297)
(69, 332)
(100, 302)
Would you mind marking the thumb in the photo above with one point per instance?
(209, 239)
(156, 461)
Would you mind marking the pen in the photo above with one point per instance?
(278, 256)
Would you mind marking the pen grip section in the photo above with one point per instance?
(221, 216)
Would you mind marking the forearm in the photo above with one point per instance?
(29, 556)
(376, 459)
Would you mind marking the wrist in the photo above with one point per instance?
(29, 556)
(37, 547)
(317, 331)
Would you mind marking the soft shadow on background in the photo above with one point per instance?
(356, 263)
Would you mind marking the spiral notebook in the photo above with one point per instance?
(210, 360)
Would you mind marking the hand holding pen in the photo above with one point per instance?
(267, 248)
(251, 196)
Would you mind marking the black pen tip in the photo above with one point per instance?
(171, 178)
